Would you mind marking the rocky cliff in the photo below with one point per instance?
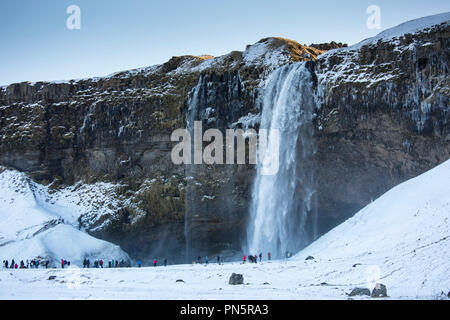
(382, 118)
(384, 114)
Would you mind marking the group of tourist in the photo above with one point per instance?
(113, 263)
(254, 258)
(28, 264)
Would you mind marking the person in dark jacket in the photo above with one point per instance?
(260, 257)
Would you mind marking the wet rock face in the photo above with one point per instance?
(222, 100)
(217, 200)
(383, 118)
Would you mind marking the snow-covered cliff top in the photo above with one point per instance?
(409, 27)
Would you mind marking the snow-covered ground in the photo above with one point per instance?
(400, 240)
(37, 224)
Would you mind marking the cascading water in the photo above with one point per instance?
(282, 212)
(192, 115)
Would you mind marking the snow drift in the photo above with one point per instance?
(404, 235)
(32, 226)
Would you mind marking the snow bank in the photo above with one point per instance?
(405, 234)
(35, 224)
(62, 242)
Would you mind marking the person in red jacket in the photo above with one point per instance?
(268, 255)
(243, 258)
(154, 263)
(62, 263)
(101, 264)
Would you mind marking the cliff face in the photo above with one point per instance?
(383, 117)
(117, 129)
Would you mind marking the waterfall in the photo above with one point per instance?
(282, 212)
(191, 169)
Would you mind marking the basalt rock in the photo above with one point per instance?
(236, 279)
(329, 45)
(379, 291)
(359, 292)
(383, 118)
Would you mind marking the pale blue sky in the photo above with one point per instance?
(119, 35)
